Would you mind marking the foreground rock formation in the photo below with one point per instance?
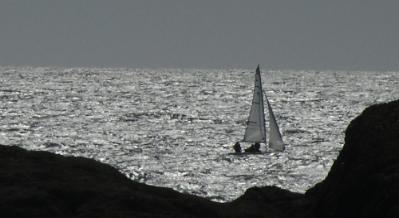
(363, 182)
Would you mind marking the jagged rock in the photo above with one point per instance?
(270, 201)
(364, 180)
(42, 184)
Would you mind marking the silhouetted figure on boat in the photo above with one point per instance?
(255, 148)
(237, 147)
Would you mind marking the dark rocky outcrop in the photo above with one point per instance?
(41, 184)
(363, 182)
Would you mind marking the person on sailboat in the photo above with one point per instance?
(255, 148)
(237, 147)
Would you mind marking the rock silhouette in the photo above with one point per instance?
(363, 182)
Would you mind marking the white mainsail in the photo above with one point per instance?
(256, 131)
(275, 139)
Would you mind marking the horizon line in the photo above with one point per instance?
(195, 68)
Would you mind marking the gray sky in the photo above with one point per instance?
(278, 34)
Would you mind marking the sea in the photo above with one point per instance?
(176, 127)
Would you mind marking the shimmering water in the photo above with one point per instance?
(175, 128)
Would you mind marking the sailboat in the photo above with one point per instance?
(255, 131)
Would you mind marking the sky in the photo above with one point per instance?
(278, 34)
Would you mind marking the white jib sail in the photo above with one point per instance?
(275, 139)
(255, 130)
